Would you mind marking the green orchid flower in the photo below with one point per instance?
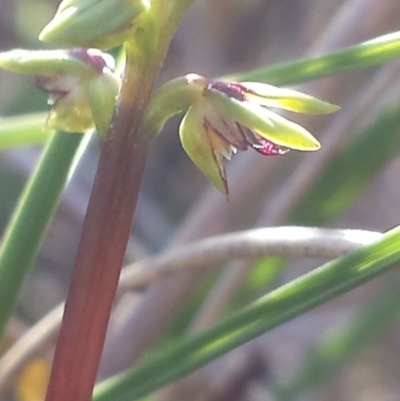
(232, 116)
(81, 84)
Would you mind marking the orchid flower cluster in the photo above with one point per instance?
(222, 118)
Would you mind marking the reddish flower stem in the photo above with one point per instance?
(108, 221)
(103, 243)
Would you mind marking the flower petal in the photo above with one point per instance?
(287, 99)
(47, 63)
(225, 128)
(71, 112)
(204, 147)
(260, 144)
(102, 95)
(266, 123)
(288, 134)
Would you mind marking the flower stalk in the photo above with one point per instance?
(107, 226)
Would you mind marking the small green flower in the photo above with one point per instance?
(81, 84)
(232, 116)
(94, 23)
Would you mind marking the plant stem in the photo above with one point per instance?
(31, 218)
(102, 248)
(107, 228)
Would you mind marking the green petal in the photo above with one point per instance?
(45, 63)
(287, 133)
(102, 95)
(197, 143)
(287, 99)
(266, 123)
(93, 23)
(72, 113)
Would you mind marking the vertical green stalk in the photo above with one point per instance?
(32, 215)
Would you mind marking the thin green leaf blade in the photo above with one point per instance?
(373, 52)
(31, 217)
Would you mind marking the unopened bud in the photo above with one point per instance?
(103, 24)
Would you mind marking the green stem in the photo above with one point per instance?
(100, 255)
(286, 302)
(32, 215)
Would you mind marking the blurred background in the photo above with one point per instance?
(351, 183)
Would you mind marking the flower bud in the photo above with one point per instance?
(103, 24)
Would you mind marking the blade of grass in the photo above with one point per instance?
(288, 301)
(23, 130)
(31, 217)
(373, 52)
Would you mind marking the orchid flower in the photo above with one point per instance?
(232, 116)
(81, 84)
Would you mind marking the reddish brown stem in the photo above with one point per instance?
(108, 220)
(103, 243)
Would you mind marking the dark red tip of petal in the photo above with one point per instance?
(268, 148)
(230, 89)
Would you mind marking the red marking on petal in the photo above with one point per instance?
(266, 147)
(217, 156)
(230, 89)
